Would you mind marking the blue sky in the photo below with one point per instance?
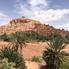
(53, 12)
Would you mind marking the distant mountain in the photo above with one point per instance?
(25, 24)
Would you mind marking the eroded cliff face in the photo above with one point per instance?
(20, 24)
(25, 24)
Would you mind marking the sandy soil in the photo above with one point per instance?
(33, 49)
(34, 65)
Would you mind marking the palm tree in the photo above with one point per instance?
(53, 55)
(17, 40)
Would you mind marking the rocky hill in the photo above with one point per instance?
(25, 24)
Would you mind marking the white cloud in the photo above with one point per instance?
(38, 2)
(49, 15)
(43, 15)
(2, 15)
(65, 26)
(36, 12)
(4, 21)
(4, 18)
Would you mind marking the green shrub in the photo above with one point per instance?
(4, 64)
(13, 56)
(28, 36)
(36, 59)
(65, 63)
(3, 37)
(17, 40)
(52, 55)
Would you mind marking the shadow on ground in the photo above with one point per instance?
(42, 67)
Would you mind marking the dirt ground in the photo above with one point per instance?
(33, 49)
(34, 65)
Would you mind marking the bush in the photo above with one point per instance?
(36, 59)
(4, 64)
(3, 37)
(28, 36)
(52, 55)
(13, 56)
(50, 37)
(65, 64)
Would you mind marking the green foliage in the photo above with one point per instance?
(31, 35)
(36, 59)
(13, 56)
(28, 36)
(4, 64)
(52, 55)
(50, 37)
(65, 64)
(24, 36)
(67, 39)
(4, 37)
(17, 40)
(67, 36)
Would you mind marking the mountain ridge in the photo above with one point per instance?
(25, 24)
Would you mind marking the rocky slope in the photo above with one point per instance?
(25, 24)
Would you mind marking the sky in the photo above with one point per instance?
(52, 12)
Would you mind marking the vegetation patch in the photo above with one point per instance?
(53, 55)
(4, 64)
(13, 56)
(36, 59)
(65, 63)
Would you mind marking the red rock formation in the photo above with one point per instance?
(20, 20)
(25, 24)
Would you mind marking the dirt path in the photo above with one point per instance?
(34, 65)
